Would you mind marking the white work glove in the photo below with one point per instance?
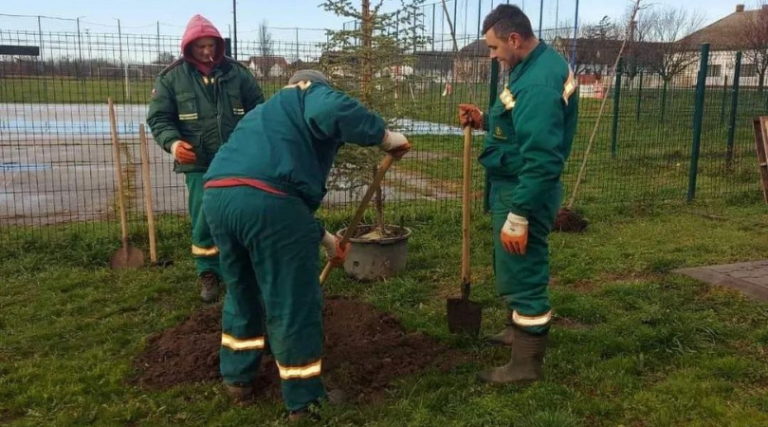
(333, 250)
(396, 144)
(514, 234)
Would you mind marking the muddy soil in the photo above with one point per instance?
(365, 350)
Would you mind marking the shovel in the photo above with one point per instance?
(383, 167)
(147, 184)
(465, 316)
(127, 256)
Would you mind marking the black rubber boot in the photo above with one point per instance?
(335, 397)
(505, 337)
(209, 287)
(526, 364)
(242, 395)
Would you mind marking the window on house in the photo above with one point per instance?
(714, 70)
(748, 70)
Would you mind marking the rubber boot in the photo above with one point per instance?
(209, 287)
(505, 337)
(526, 364)
(242, 395)
(335, 397)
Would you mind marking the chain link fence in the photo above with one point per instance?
(56, 155)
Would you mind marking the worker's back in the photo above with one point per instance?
(290, 141)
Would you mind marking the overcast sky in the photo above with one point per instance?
(141, 16)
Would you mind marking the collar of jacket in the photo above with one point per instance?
(520, 68)
(219, 71)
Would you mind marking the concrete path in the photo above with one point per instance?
(748, 277)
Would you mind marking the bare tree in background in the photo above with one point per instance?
(595, 49)
(667, 55)
(598, 59)
(265, 49)
(637, 33)
(164, 58)
(753, 38)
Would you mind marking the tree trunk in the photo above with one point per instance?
(379, 206)
(367, 34)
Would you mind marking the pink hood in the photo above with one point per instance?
(199, 27)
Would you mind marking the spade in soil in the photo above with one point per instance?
(465, 316)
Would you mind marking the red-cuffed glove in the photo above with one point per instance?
(470, 115)
(334, 251)
(396, 144)
(183, 153)
(514, 234)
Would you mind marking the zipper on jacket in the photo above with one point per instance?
(216, 110)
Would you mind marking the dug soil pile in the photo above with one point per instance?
(365, 350)
(569, 221)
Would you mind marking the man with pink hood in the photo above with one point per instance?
(196, 103)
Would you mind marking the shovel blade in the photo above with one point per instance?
(127, 258)
(464, 316)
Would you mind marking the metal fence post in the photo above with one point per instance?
(492, 92)
(664, 100)
(698, 116)
(734, 111)
(725, 99)
(616, 104)
(639, 97)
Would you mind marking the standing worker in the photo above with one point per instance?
(530, 127)
(196, 103)
(261, 193)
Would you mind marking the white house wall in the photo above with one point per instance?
(722, 65)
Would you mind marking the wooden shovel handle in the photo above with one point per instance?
(383, 167)
(144, 149)
(465, 277)
(118, 173)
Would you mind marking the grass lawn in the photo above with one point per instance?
(632, 344)
(70, 90)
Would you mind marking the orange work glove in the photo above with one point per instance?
(183, 152)
(470, 115)
(333, 250)
(514, 234)
(396, 144)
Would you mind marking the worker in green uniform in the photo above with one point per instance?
(261, 193)
(530, 130)
(196, 103)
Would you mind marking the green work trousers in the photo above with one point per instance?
(523, 279)
(204, 249)
(269, 255)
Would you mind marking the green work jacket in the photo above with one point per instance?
(291, 141)
(200, 110)
(530, 128)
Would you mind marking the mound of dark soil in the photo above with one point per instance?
(365, 350)
(569, 221)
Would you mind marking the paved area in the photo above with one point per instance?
(56, 165)
(748, 277)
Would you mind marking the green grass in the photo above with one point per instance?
(633, 344)
(70, 90)
(651, 158)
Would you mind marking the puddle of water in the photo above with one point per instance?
(101, 127)
(21, 167)
(419, 127)
(74, 127)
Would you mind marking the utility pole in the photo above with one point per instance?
(541, 16)
(234, 26)
(79, 48)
